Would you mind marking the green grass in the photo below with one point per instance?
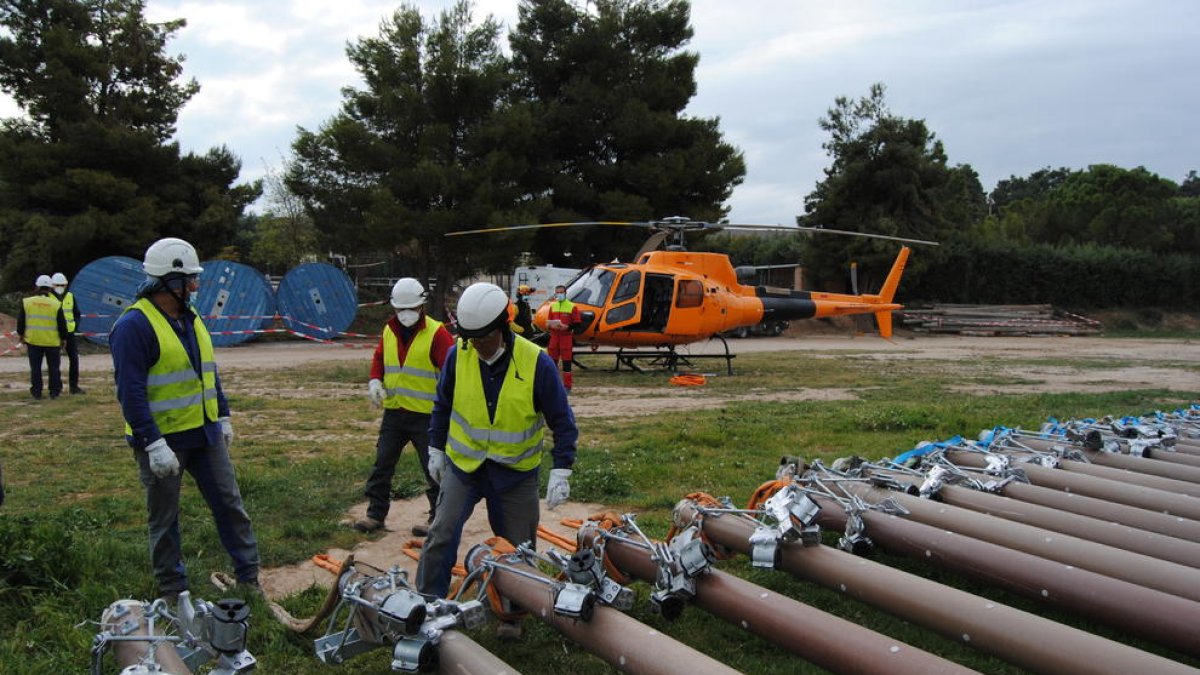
(72, 534)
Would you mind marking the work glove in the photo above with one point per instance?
(376, 393)
(558, 489)
(226, 430)
(163, 461)
(437, 465)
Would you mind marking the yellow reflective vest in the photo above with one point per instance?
(41, 321)
(68, 307)
(179, 398)
(514, 438)
(411, 385)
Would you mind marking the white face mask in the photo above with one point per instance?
(494, 357)
(408, 317)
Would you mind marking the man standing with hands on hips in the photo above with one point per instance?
(404, 375)
(497, 393)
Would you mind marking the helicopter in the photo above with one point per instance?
(671, 296)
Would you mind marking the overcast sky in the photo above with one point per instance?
(1009, 87)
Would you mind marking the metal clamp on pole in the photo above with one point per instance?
(385, 610)
(571, 600)
(855, 539)
(584, 568)
(142, 637)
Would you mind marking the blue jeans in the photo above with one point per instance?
(53, 357)
(512, 514)
(213, 472)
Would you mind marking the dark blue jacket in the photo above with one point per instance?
(134, 349)
(549, 398)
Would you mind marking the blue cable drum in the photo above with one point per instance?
(320, 296)
(231, 289)
(105, 287)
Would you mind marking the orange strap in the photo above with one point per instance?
(556, 539)
(765, 492)
(501, 546)
(689, 380)
(323, 561)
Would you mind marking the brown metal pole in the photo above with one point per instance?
(818, 637)
(133, 652)
(1142, 519)
(1143, 465)
(1020, 638)
(1153, 615)
(1132, 567)
(1093, 486)
(620, 640)
(460, 655)
(1085, 527)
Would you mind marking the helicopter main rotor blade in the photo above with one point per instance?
(826, 230)
(541, 225)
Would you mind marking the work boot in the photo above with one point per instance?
(171, 598)
(77, 391)
(423, 530)
(367, 524)
(252, 587)
(568, 380)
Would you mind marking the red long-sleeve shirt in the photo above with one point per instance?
(442, 342)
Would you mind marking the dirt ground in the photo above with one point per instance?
(1136, 363)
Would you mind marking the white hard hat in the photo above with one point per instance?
(482, 308)
(171, 255)
(43, 281)
(59, 279)
(408, 293)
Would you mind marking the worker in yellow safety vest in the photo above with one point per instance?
(43, 329)
(71, 314)
(497, 393)
(176, 415)
(403, 380)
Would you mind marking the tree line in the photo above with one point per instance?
(580, 118)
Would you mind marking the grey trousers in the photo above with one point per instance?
(213, 472)
(512, 514)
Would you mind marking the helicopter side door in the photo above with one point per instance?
(625, 308)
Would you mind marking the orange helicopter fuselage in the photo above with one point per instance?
(670, 298)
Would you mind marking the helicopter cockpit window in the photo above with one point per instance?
(628, 287)
(622, 313)
(691, 293)
(591, 288)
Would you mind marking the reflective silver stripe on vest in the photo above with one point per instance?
(208, 366)
(176, 403)
(483, 435)
(48, 317)
(412, 393)
(28, 327)
(462, 449)
(160, 379)
(409, 370)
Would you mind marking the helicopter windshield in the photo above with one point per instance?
(591, 288)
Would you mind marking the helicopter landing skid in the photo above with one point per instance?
(661, 358)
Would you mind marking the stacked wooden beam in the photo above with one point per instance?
(996, 320)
